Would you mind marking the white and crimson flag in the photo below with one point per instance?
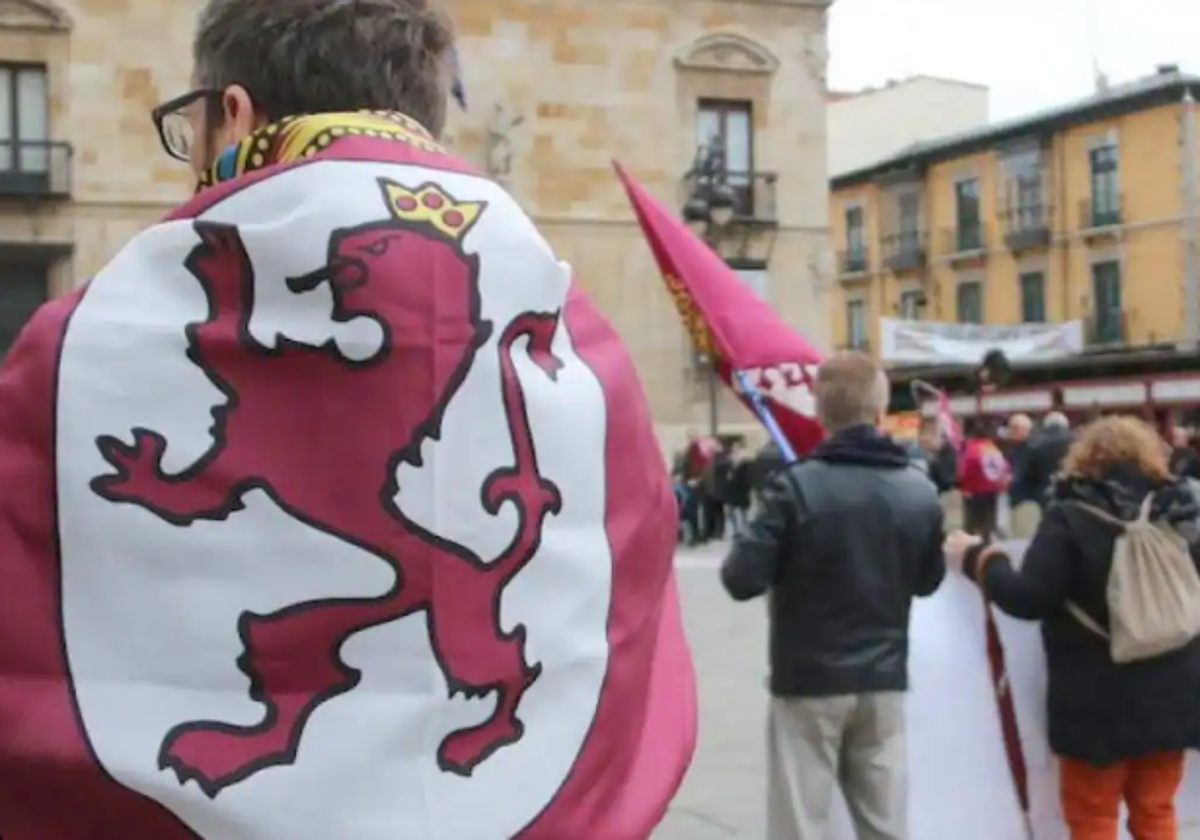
(332, 509)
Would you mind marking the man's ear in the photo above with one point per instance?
(240, 117)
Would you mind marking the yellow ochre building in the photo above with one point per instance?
(1089, 212)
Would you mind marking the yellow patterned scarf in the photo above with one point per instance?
(295, 138)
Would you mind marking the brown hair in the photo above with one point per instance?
(1109, 441)
(298, 57)
(851, 390)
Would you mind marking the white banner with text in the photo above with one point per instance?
(935, 343)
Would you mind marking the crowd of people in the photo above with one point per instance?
(1110, 571)
(714, 479)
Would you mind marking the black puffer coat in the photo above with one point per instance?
(1100, 712)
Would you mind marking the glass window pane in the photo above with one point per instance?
(33, 120)
(33, 104)
(909, 212)
(708, 126)
(1033, 297)
(737, 141)
(856, 323)
(1106, 301)
(854, 229)
(22, 290)
(969, 303)
(6, 124)
(967, 195)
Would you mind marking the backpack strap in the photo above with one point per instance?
(1101, 514)
(1086, 620)
(1144, 510)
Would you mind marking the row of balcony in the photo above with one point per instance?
(1024, 228)
(42, 169)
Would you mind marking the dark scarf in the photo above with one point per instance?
(295, 138)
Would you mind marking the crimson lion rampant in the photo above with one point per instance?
(407, 272)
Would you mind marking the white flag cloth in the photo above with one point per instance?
(959, 782)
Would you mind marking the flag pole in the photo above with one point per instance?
(765, 416)
(1010, 730)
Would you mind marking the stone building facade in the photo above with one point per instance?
(556, 89)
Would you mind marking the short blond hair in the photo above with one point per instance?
(1110, 441)
(851, 390)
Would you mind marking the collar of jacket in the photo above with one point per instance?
(863, 445)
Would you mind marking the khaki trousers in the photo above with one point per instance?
(856, 743)
(1025, 519)
(952, 508)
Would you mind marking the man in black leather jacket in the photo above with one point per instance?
(843, 542)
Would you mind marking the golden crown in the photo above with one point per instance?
(429, 204)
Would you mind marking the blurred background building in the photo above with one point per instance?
(555, 90)
(1067, 238)
(866, 126)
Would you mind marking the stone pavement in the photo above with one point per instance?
(724, 793)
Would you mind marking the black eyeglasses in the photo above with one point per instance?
(174, 128)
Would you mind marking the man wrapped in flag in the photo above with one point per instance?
(336, 509)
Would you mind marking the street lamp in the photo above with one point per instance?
(709, 208)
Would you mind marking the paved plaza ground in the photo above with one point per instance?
(724, 793)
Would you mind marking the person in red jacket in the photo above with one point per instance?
(983, 475)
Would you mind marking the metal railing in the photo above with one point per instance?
(755, 193)
(1026, 226)
(965, 238)
(853, 261)
(1101, 212)
(35, 168)
(906, 249)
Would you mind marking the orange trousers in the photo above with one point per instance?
(1092, 796)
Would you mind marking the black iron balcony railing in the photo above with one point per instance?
(1026, 226)
(853, 261)
(905, 250)
(754, 193)
(1108, 328)
(1101, 212)
(35, 169)
(966, 238)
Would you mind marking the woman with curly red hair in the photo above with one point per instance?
(1119, 729)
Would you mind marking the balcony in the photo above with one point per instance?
(1026, 227)
(1101, 215)
(965, 241)
(1108, 329)
(853, 263)
(35, 169)
(754, 193)
(906, 250)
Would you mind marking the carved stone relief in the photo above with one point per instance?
(820, 271)
(815, 57)
(498, 144)
(728, 52)
(32, 14)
